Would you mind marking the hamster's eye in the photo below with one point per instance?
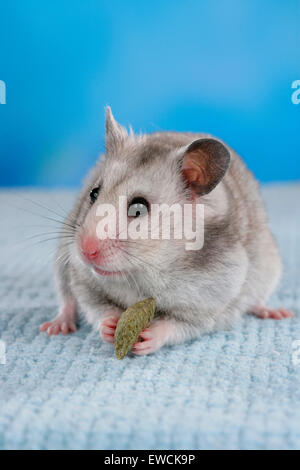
(138, 207)
(94, 194)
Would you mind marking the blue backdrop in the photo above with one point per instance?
(224, 67)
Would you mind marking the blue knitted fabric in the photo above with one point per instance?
(238, 389)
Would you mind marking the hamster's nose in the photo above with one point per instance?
(90, 248)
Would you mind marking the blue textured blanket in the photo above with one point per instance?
(233, 390)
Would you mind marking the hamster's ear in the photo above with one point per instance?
(204, 164)
(115, 134)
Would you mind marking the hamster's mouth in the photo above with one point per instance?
(102, 272)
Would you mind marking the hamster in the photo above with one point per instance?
(196, 291)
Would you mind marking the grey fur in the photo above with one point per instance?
(197, 291)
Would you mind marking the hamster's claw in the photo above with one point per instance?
(153, 338)
(60, 324)
(108, 327)
(64, 323)
(273, 313)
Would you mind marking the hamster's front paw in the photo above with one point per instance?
(153, 338)
(109, 324)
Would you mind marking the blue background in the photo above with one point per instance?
(224, 67)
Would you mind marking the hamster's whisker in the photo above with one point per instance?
(66, 214)
(64, 258)
(126, 274)
(41, 226)
(58, 233)
(142, 261)
(130, 255)
(51, 239)
(43, 206)
(144, 264)
(47, 208)
(123, 274)
(73, 227)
